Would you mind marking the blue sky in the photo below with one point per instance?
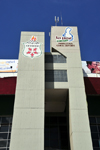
(38, 15)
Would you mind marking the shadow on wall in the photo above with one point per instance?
(93, 105)
(6, 105)
(54, 75)
(49, 74)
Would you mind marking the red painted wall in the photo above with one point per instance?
(92, 85)
(7, 86)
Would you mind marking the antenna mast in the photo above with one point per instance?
(61, 19)
(56, 20)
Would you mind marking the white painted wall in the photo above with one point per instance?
(28, 118)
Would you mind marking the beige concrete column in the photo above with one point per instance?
(28, 118)
(79, 134)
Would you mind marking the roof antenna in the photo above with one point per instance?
(56, 20)
(61, 19)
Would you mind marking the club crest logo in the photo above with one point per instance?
(66, 37)
(32, 48)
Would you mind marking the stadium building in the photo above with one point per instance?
(53, 106)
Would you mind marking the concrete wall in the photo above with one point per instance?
(80, 136)
(28, 118)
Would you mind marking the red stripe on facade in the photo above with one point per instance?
(7, 86)
(92, 85)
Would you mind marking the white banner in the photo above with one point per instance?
(8, 67)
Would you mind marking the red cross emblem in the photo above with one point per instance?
(32, 51)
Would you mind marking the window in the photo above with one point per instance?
(56, 132)
(55, 59)
(95, 132)
(5, 132)
(56, 75)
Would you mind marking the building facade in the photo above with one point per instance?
(52, 104)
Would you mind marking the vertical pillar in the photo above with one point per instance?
(65, 41)
(80, 136)
(28, 118)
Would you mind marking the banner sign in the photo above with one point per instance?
(8, 66)
(91, 68)
(63, 41)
